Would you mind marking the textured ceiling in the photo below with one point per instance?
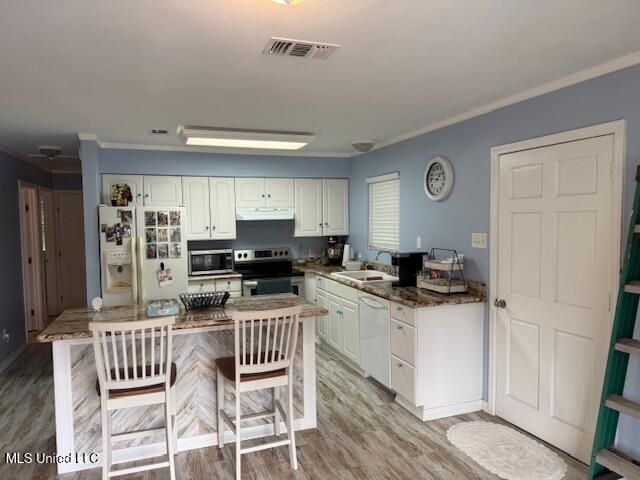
(119, 68)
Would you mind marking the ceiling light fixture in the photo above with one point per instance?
(235, 138)
(287, 2)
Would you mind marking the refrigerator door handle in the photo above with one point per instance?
(139, 274)
(134, 270)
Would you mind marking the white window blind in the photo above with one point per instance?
(384, 212)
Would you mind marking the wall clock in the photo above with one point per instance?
(438, 178)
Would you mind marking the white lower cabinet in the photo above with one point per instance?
(321, 300)
(436, 359)
(351, 331)
(340, 329)
(231, 285)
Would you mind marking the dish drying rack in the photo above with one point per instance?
(193, 301)
(443, 275)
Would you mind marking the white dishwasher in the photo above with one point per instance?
(375, 355)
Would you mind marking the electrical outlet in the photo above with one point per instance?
(418, 243)
(479, 240)
(5, 335)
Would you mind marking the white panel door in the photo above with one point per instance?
(321, 301)
(250, 193)
(279, 192)
(335, 206)
(134, 182)
(351, 330)
(223, 208)
(162, 191)
(308, 207)
(195, 193)
(555, 271)
(335, 332)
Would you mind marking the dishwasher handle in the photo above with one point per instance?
(372, 303)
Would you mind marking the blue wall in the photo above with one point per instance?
(467, 144)
(66, 181)
(96, 161)
(11, 297)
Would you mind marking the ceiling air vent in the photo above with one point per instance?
(284, 47)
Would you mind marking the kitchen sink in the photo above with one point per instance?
(367, 277)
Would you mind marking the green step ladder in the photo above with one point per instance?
(606, 461)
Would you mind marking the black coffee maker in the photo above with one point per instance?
(408, 265)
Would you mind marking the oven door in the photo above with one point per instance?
(209, 262)
(250, 287)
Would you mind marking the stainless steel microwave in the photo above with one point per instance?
(210, 262)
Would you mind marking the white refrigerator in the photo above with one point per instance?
(143, 254)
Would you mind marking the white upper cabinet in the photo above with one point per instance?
(134, 182)
(223, 208)
(250, 193)
(335, 206)
(162, 191)
(195, 192)
(308, 205)
(279, 192)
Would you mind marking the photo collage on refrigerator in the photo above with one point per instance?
(162, 234)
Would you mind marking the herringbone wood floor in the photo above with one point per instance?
(361, 434)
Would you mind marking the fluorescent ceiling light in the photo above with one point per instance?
(230, 138)
(287, 2)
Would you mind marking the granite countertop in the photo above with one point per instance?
(413, 297)
(74, 323)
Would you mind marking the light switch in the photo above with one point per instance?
(418, 243)
(479, 240)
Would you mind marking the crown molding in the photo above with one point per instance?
(578, 77)
(88, 136)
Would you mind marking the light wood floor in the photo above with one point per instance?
(361, 434)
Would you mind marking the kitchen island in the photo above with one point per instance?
(200, 337)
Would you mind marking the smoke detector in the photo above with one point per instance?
(49, 151)
(286, 47)
(363, 147)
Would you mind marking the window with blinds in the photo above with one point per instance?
(384, 212)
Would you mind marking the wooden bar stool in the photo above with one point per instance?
(265, 346)
(134, 366)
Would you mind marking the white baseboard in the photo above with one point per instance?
(486, 408)
(124, 455)
(12, 356)
(427, 414)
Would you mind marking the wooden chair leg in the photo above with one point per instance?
(276, 418)
(106, 440)
(169, 435)
(292, 436)
(220, 407)
(238, 435)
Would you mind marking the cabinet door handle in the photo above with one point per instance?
(207, 227)
(213, 227)
(146, 195)
(400, 365)
(338, 312)
(399, 309)
(263, 195)
(138, 194)
(399, 327)
(326, 224)
(269, 195)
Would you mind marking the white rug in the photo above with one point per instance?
(505, 452)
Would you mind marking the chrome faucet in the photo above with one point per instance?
(381, 252)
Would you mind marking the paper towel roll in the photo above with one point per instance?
(346, 254)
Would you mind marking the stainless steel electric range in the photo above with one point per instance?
(266, 264)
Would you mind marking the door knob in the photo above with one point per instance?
(500, 303)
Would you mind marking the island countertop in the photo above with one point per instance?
(74, 323)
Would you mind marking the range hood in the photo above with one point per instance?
(264, 213)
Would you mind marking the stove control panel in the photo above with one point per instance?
(265, 254)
